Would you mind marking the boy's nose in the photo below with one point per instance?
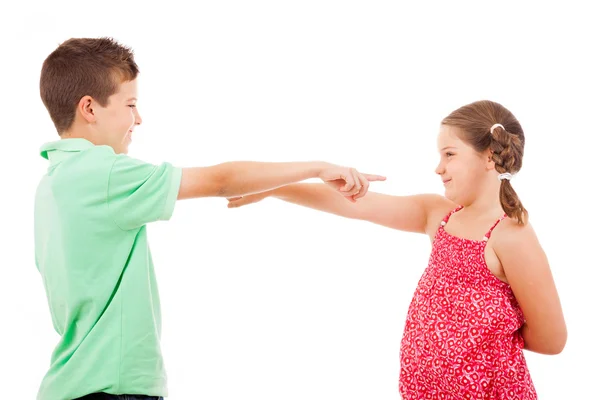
(138, 118)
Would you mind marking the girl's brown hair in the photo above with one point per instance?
(506, 143)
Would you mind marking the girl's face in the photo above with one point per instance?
(463, 170)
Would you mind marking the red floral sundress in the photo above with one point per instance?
(461, 338)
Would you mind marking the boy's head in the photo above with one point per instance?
(90, 90)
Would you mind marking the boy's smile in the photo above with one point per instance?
(114, 124)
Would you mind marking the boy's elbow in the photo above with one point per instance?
(225, 182)
(205, 182)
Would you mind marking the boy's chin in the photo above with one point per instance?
(120, 149)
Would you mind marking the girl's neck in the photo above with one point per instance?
(486, 204)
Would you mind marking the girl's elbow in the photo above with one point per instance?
(549, 343)
(557, 345)
(560, 344)
(554, 349)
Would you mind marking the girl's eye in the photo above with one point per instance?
(449, 154)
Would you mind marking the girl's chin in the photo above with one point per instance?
(450, 195)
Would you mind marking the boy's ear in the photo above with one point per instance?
(86, 108)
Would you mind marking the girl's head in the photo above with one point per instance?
(476, 158)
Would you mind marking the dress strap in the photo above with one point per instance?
(487, 235)
(447, 217)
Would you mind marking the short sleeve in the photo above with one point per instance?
(140, 193)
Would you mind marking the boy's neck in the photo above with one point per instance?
(78, 132)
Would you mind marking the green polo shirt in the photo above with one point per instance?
(91, 249)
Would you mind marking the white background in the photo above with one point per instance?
(274, 301)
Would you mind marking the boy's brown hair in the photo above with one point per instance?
(83, 67)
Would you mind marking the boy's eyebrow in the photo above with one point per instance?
(132, 98)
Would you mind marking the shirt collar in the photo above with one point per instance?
(60, 149)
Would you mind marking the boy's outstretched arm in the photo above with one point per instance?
(246, 177)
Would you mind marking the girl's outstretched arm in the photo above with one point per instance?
(416, 213)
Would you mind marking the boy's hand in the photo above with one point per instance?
(348, 181)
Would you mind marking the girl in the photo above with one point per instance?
(487, 292)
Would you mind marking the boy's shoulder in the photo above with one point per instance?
(79, 156)
(62, 149)
(77, 165)
(79, 159)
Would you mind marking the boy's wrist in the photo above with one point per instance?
(319, 167)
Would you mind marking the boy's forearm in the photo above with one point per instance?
(247, 177)
(240, 178)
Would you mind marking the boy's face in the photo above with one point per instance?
(115, 122)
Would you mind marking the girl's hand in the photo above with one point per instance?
(239, 201)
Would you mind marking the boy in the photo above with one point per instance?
(91, 212)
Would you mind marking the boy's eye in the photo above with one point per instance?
(132, 105)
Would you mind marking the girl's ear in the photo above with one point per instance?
(490, 164)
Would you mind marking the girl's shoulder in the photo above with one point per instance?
(509, 234)
(438, 208)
